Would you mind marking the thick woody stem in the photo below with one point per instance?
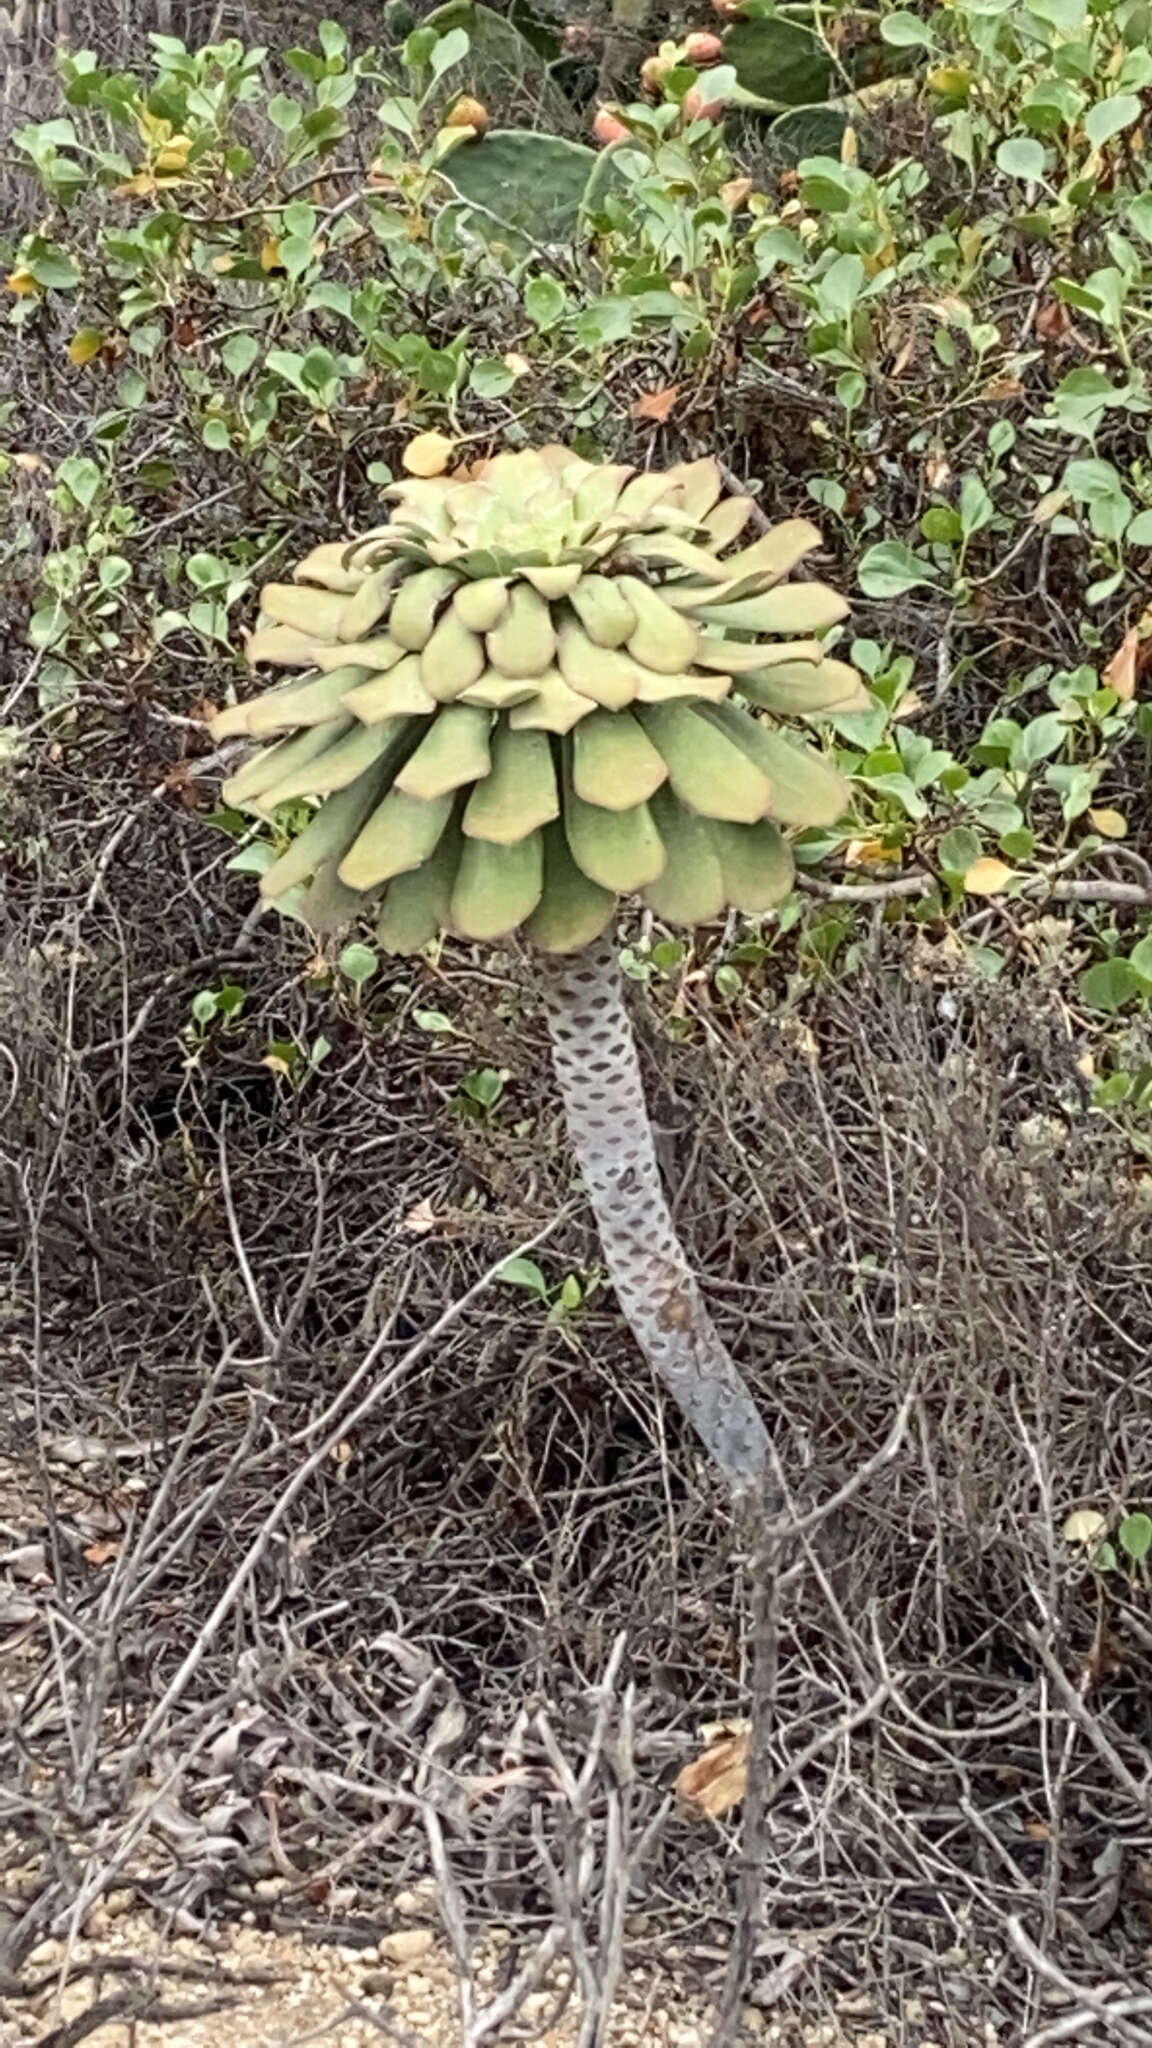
(594, 1054)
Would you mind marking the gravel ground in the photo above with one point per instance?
(404, 1991)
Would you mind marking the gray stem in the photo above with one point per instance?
(594, 1054)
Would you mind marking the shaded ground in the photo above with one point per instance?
(902, 1196)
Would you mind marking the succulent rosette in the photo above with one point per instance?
(545, 684)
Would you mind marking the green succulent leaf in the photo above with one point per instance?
(516, 706)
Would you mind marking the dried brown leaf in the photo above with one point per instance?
(656, 405)
(1053, 320)
(717, 1779)
(1131, 659)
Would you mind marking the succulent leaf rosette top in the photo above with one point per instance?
(546, 683)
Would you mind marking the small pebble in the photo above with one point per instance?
(406, 1944)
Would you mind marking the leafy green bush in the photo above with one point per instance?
(942, 347)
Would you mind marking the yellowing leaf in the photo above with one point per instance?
(270, 258)
(1109, 824)
(22, 283)
(174, 155)
(428, 455)
(718, 1779)
(950, 82)
(153, 128)
(862, 852)
(1087, 1525)
(85, 344)
(987, 877)
(1048, 506)
(142, 186)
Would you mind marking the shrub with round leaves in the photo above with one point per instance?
(544, 684)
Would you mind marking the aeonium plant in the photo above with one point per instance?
(547, 684)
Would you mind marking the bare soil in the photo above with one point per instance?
(265, 1990)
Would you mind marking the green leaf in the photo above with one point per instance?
(544, 302)
(1040, 739)
(216, 435)
(1139, 215)
(239, 353)
(285, 363)
(1110, 985)
(1019, 844)
(485, 1086)
(960, 849)
(524, 1273)
(850, 389)
(317, 369)
(1140, 958)
(1021, 156)
(976, 507)
(359, 963)
(1108, 117)
(296, 253)
(889, 568)
(206, 571)
(51, 267)
(204, 1006)
(604, 321)
(284, 113)
(1135, 1535)
(839, 287)
(941, 523)
(906, 32)
(529, 183)
(450, 49)
(491, 378)
(1091, 478)
(419, 47)
(81, 476)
